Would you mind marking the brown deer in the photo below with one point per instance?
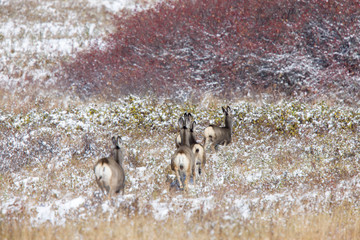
(198, 150)
(219, 135)
(188, 117)
(109, 172)
(183, 160)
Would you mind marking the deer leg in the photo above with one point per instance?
(213, 148)
(203, 162)
(111, 192)
(205, 143)
(178, 177)
(202, 169)
(101, 187)
(195, 172)
(187, 176)
(106, 191)
(109, 196)
(103, 190)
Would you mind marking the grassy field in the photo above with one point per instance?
(340, 225)
(291, 172)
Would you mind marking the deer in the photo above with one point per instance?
(197, 148)
(183, 160)
(109, 171)
(189, 117)
(219, 135)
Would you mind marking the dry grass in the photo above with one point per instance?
(35, 37)
(342, 223)
(149, 147)
(61, 158)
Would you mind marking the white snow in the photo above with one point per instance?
(44, 214)
(161, 210)
(53, 143)
(117, 5)
(26, 44)
(75, 193)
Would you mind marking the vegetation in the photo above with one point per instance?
(290, 164)
(342, 224)
(185, 48)
(288, 69)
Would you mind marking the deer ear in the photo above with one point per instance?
(193, 125)
(223, 109)
(186, 116)
(181, 122)
(113, 139)
(119, 141)
(187, 123)
(228, 109)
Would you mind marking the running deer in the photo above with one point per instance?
(219, 135)
(183, 160)
(109, 172)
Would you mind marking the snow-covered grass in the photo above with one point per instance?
(36, 36)
(287, 159)
(291, 172)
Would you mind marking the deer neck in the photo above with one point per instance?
(228, 122)
(192, 139)
(185, 137)
(117, 156)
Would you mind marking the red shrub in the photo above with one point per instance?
(228, 47)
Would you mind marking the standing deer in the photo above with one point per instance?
(188, 117)
(183, 160)
(219, 135)
(197, 148)
(109, 172)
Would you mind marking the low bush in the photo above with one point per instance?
(230, 48)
